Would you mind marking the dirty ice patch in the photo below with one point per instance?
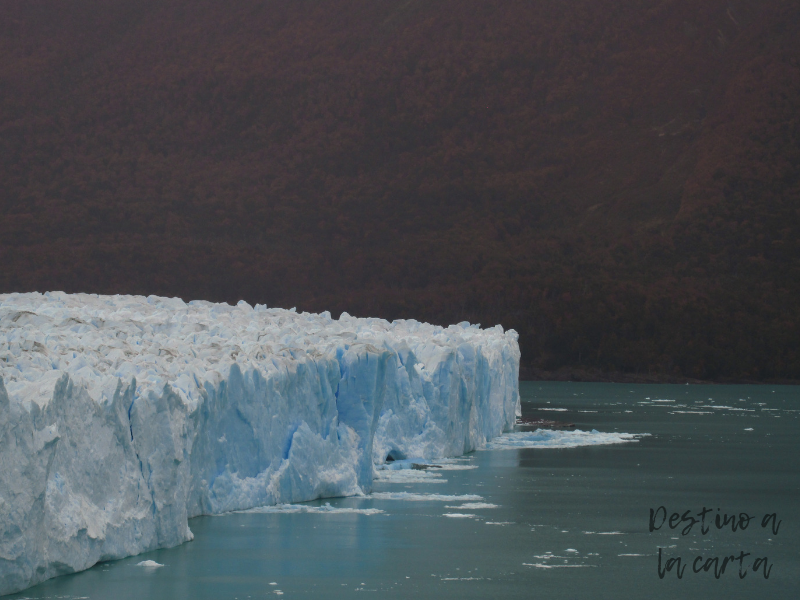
(545, 438)
(453, 467)
(406, 463)
(303, 508)
(409, 476)
(421, 465)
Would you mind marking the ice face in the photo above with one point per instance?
(121, 417)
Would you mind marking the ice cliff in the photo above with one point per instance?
(121, 416)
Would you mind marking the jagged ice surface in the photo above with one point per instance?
(121, 417)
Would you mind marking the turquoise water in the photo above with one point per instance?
(568, 523)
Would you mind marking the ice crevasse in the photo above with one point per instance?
(122, 416)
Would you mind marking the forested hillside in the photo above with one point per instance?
(617, 180)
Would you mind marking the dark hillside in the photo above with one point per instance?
(617, 180)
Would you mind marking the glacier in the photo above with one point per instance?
(121, 417)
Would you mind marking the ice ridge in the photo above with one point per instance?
(122, 416)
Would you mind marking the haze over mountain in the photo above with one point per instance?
(619, 181)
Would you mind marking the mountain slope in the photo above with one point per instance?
(618, 181)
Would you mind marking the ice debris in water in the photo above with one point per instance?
(546, 438)
(304, 508)
(413, 497)
(122, 416)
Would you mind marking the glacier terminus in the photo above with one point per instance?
(121, 417)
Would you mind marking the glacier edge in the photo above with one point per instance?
(158, 411)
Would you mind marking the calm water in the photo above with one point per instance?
(569, 523)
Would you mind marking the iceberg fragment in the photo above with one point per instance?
(546, 438)
(121, 417)
(149, 564)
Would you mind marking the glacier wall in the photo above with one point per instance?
(121, 417)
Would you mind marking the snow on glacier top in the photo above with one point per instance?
(99, 340)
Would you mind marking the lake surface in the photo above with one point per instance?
(567, 523)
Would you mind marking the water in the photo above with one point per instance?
(568, 523)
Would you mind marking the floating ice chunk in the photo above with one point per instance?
(474, 505)
(546, 438)
(459, 515)
(151, 564)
